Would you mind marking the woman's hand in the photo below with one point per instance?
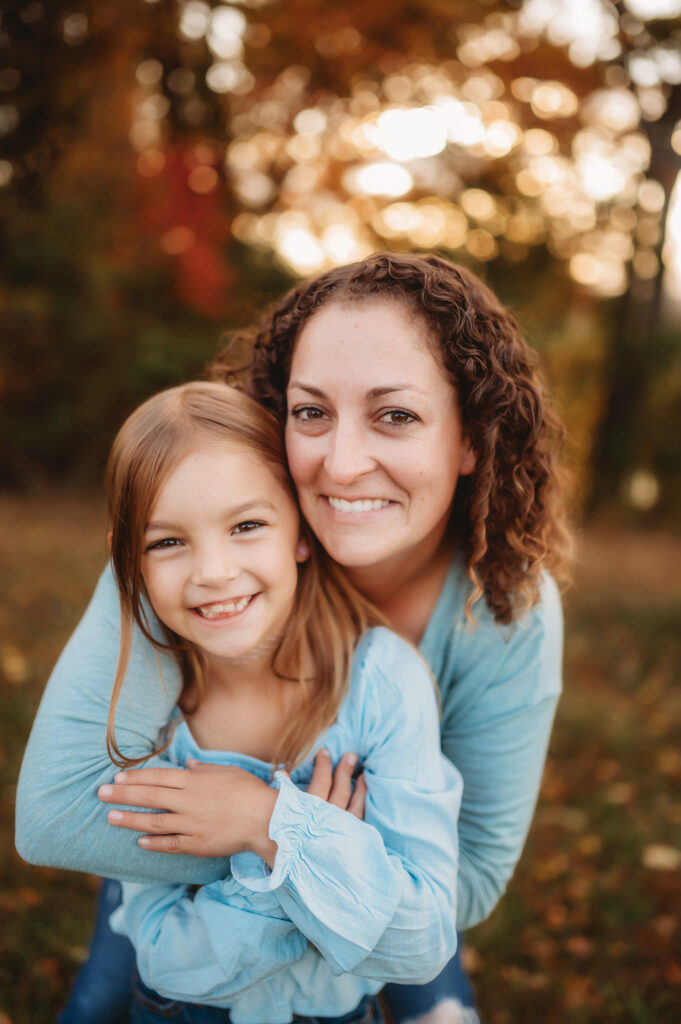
(217, 810)
(336, 786)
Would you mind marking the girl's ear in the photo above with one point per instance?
(109, 537)
(302, 551)
(468, 458)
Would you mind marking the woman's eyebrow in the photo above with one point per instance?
(317, 392)
(388, 389)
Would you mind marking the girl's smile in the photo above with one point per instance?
(221, 572)
(219, 610)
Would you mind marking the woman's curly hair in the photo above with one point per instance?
(508, 515)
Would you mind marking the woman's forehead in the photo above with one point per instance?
(380, 343)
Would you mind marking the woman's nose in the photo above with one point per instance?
(348, 456)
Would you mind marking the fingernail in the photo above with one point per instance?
(323, 751)
(143, 841)
(115, 815)
(191, 761)
(120, 776)
(106, 791)
(352, 760)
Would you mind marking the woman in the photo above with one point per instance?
(424, 458)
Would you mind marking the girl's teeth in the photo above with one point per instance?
(371, 505)
(211, 611)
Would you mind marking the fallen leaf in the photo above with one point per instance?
(29, 897)
(569, 818)
(589, 844)
(665, 925)
(607, 769)
(673, 974)
(14, 664)
(556, 915)
(658, 857)
(471, 959)
(579, 945)
(669, 761)
(548, 868)
(620, 793)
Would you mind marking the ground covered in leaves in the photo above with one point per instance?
(590, 929)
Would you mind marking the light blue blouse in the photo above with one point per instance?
(499, 688)
(375, 898)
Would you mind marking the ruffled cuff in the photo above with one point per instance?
(288, 825)
(332, 875)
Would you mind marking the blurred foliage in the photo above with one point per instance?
(168, 168)
(589, 929)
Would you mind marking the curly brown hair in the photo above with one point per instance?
(509, 515)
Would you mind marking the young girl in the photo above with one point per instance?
(279, 656)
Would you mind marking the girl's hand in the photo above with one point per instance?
(217, 810)
(213, 813)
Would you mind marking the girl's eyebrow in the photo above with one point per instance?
(236, 510)
(389, 389)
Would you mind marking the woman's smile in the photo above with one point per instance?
(353, 506)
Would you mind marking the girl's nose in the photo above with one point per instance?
(348, 456)
(215, 565)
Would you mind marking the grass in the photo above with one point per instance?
(590, 928)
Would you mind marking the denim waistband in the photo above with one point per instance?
(367, 1010)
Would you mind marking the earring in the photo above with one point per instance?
(302, 551)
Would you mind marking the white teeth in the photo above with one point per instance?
(370, 505)
(211, 611)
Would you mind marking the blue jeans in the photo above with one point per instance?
(452, 986)
(102, 991)
(149, 1007)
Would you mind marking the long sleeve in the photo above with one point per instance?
(500, 688)
(210, 946)
(375, 897)
(59, 820)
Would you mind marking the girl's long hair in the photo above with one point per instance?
(328, 616)
(508, 516)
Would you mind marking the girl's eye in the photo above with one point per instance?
(307, 414)
(164, 545)
(398, 417)
(248, 526)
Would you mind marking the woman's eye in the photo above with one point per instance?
(398, 417)
(248, 526)
(307, 414)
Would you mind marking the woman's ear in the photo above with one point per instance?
(302, 551)
(468, 458)
(109, 537)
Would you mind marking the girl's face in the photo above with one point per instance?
(373, 435)
(220, 553)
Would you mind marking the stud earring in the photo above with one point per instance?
(302, 551)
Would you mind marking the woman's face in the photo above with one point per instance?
(373, 435)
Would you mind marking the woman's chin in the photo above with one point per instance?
(354, 555)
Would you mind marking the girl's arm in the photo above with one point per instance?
(59, 819)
